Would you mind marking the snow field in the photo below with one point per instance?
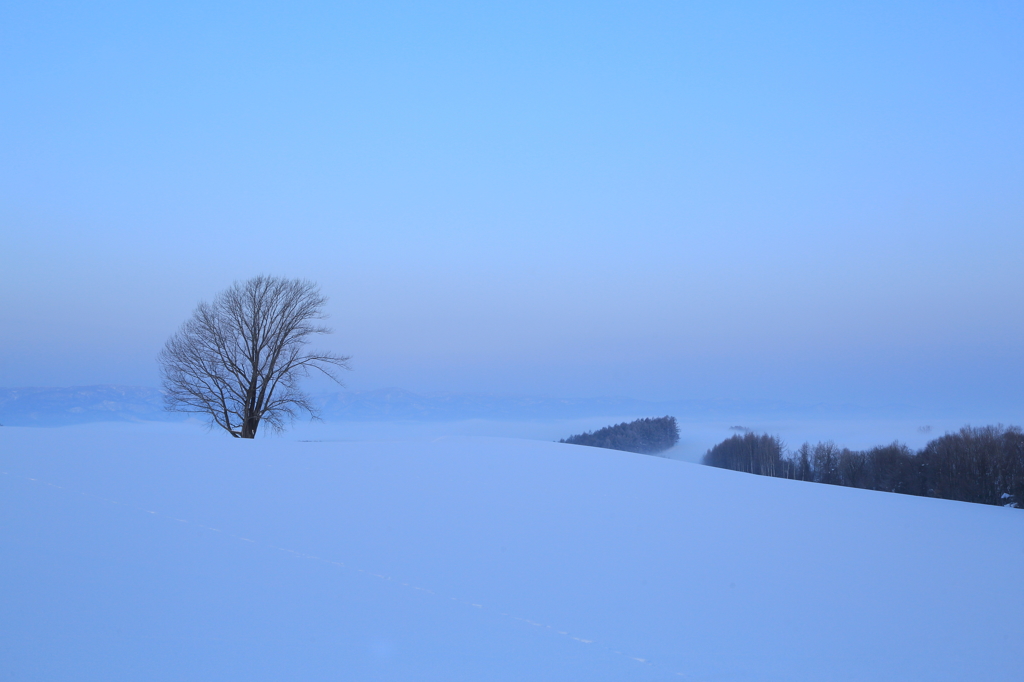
(135, 554)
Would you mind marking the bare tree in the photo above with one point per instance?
(239, 359)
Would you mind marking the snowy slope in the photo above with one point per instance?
(152, 554)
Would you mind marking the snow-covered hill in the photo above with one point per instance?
(150, 553)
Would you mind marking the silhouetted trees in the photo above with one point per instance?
(752, 454)
(893, 469)
(239, 360)
(645, 436)
(825, 463)
(975, 464)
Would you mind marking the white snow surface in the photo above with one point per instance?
(157, 554)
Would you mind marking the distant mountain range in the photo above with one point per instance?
(84, 404)
(81, 405)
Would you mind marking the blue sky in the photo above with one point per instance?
(656, 200)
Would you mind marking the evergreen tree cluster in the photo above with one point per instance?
(645, 436)
(976, 464)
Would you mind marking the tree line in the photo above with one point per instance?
(975, 464)
(645, 436)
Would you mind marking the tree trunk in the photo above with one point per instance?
(249, 427)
